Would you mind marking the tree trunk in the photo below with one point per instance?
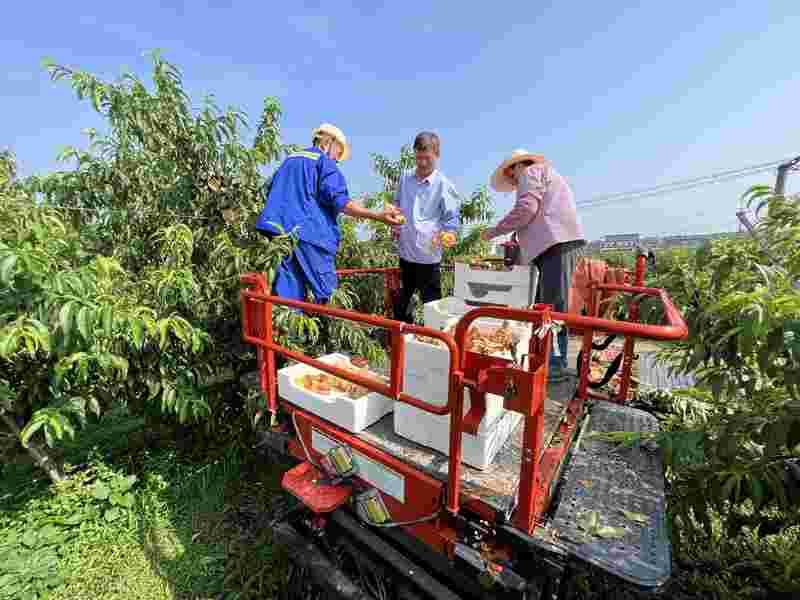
(40, 456)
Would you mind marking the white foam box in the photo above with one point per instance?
(433, 431)
(427, 365)
(425, 377)
(354, 415)
(506, 288)
(442, 314)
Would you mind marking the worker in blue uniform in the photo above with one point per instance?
(307, 195)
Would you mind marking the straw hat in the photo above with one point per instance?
(336, 134)
(500, 182)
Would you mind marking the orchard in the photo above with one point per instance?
(119, 321)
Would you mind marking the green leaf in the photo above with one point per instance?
(137, 333)
(163, 328)
(35, 424)
(6, 582)
(75, 519)
(101, 491)
(85, 322)
(168, 397)
(115, 499)
(49, 533)
(127, 500)
(65, 319)
(108, 321)
(112, 514)
(7, 269)
(94, 405)
(30, 539)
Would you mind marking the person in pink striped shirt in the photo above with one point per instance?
(545, 224)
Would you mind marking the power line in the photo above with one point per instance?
(680, 185)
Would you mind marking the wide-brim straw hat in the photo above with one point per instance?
(336, 134)
(500, 181)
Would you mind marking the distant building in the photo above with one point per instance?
(622, 237)
(629, 241)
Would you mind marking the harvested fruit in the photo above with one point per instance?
(325, 384)
(491, 341)
(482, 340)
(485, 264)
(448, 238)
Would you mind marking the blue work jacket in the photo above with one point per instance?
(308, 193)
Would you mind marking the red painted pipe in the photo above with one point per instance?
(675, 329)
(397, 328)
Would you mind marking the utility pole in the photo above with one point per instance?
(780, 186)
(780, 182)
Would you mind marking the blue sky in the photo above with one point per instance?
(618, 96)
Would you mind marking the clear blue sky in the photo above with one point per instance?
(618, 97)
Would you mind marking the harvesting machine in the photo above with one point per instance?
(370, 514)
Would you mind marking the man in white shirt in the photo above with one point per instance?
(430, 205)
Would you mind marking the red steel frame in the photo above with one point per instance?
(596, 289)
(479, 373)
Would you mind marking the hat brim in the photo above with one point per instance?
(502, 183)
(346, 150)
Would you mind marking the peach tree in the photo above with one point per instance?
(732, 443)
(120, 275)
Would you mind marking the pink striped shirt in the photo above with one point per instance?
(544, 213)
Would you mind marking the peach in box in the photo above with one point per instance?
(347, 405)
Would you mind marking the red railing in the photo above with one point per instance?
(257, 311)
(257, 330)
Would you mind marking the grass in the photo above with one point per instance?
(191, 532)
(173, 541)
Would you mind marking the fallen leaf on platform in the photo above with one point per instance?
(636, 517)
(611, 532)
(590, 522)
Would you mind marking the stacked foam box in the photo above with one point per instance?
(505, 288)
(354, 415)
(426, 378)
(433, 431)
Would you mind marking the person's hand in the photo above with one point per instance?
(447, 239)
(485, 235)
(393, 216)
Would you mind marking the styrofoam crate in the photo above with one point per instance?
(427, 366)
(439, 313)
(442, 314)
(425, 375)
(506, 288)
(433, 431)
(354, 415)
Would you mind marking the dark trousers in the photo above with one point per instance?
(556, 268)
(426, 279)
